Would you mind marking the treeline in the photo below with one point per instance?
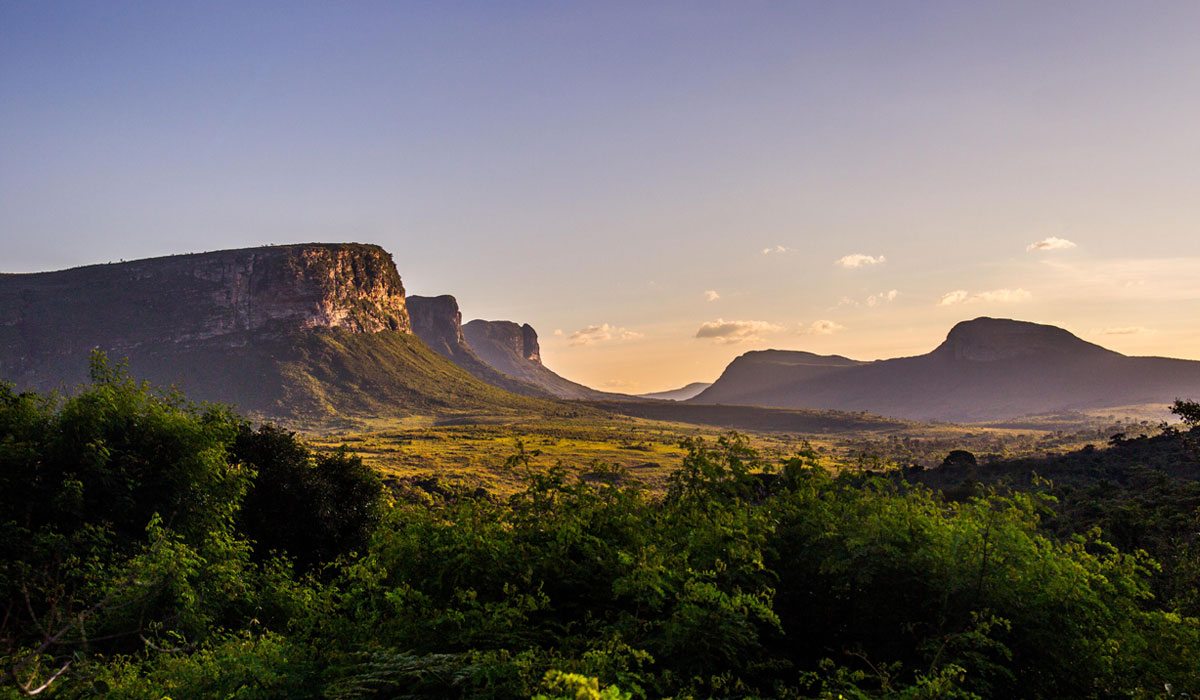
(150, 549)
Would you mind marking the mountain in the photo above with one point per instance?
(514, 350)
(987, 369)
(683, 393)
(761, 371)
(314, 330)
(438, 322)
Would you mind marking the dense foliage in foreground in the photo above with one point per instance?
(150, 549)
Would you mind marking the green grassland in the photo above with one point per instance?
(471, 451)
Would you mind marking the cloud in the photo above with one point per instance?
(1051, 243)
(776, 249)
(735, 331)
(711, 295)
(600, 334)
(1124, 330)
(962, 296)
(883, 297)
(857, 260)
(557, 331)
(821, 327)
(955, 297)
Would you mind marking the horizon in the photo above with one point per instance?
(656, 190)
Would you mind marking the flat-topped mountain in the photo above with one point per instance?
(438, 321)
(761, 371)
(223, 296)
(986, 369)
(313, 329)
(513, 349)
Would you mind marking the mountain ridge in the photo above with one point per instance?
(986, 369)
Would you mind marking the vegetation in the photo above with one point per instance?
(150, 548)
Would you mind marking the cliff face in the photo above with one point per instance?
(514, 350)
(438, 322)
(220, 299)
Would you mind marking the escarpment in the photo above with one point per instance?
(513, 349)
(224, 297)
(310, 329)
(438, 322)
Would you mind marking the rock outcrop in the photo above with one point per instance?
(513, 349)
(226, 297)
(438, 322)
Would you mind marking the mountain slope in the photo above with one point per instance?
(987, 369)
(438, 322)
(514, 350)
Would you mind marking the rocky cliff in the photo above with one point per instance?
(313, 330)
(438, 322)
(513, 349)
(226, 297)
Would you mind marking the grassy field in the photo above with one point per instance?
(470, 451)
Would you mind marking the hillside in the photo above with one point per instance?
(311, 331)
(514, 350)
(987, 369)
(762, 371)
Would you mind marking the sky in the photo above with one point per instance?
(656, 187)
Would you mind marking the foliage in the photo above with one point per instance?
(156, 549)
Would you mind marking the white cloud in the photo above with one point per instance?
(883, 297)
(856, 260)
(962, 296)
(821, 327)
(711, 295)
(600, 334)
(1051, 243)
(776, 249)
(1124, 330)
(557, 331)
(955, 297)
(735, 331)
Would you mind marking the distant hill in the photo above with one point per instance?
(312, 330)
(514, 350)
(762, 371)
(987, 369)
(438, 322)
(681, 394)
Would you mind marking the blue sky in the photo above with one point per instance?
(598, 169)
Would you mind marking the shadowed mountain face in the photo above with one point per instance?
(314, 329)
(987, 369)
(761, 372)
(438, 322)
(681, 394)
(514, 350)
